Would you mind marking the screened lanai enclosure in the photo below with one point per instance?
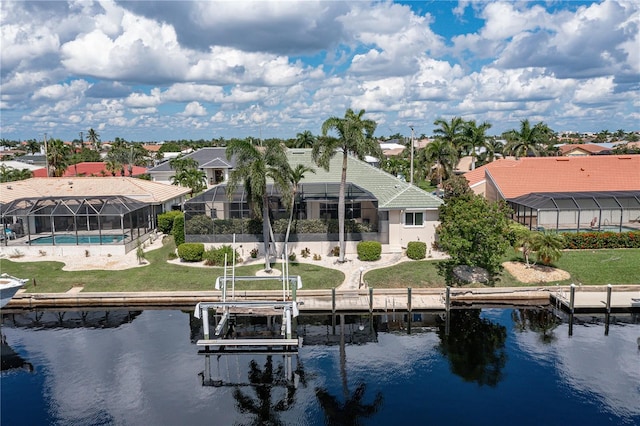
(53, 221)
(578, 211)
(213, 217)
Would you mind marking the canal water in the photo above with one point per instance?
(478, 367)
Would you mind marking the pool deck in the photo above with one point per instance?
(592, 299)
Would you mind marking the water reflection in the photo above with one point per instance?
(474, 347)
(541, 321)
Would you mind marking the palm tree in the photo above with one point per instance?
(528, 140)
(474, 136)
(441, 156)
(137, 156)
(94, 138)
(355, 135)
(58, 154)
(195, 179)
(33, 146)
(304, 140)
(452, 132)
(548, 246)
(253, 165)
(296, 175)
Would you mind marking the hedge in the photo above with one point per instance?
(215, 256)
(369, 250)
(165, 221)
(300, 226)
(416, 250)
(178, 229)
(601, 240)
(191, 252)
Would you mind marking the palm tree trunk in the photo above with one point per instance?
(265, 231)
(341, 208)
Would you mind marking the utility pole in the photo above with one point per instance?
(411, 176)
(46, 154)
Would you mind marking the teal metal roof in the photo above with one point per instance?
(391, 192)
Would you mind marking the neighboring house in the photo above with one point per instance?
(212, 161)
(581, 149)
(93, 169)
(19, 165)
(568, 193)
(68, 215)
(380, 205)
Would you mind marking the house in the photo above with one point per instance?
(565, 193)
(578, 149)
(212, 161)
(68, 215)
(378, 205)
(94, 169)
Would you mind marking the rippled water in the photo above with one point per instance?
(493, 367)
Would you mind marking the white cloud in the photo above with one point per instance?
(194, 109)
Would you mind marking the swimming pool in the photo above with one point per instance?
(82, 239)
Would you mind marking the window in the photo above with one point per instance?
(413, 218)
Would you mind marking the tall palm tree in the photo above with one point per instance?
(474, 136)
(296, 175)
(304, 139)
(33, 146)
(452, 131)
(137, 156)
(94, 138)
(441, 156)
(527, 140)
(355, 135)
(254, 164)
(58, 154)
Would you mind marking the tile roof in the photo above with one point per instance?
(586, 147)
(564, 174)
(391, 192)
(97, 169)
(138, 189)
(477, 176)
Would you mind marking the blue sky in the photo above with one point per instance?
(163, 70)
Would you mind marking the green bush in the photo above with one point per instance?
(601, 240)
(191, 252)
(416, 250)
(215, 256)
(165, 221)
(178, 229)
(199, 225)
(369, 251)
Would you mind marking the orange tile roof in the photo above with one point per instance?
(478, 175)
(586, 147)
(91, 169)
(566, 174)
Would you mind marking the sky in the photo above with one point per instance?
(167, 70)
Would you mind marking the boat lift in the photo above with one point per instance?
(288, 305)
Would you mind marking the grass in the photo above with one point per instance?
(589, 267)
(158, 275)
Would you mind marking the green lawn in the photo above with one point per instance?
(589, 267)
(595, 267)
(158, 275)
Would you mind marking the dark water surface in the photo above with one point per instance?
(495, 366)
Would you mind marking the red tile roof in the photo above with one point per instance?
(586, 147)
(566, 174)
(91, 169)
(478, 175)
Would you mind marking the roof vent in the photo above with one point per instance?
(9, 187)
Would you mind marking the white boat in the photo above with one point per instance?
(9, 286)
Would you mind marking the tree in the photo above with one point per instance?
(9, 174)
(58, 155)
(304, 140)
(136, 156)
(94, 138)
(473, 232)
(528, 140)
(194, 179)
(474, 136)
(440, 156)
(253, 165)
(452, 131)
(548, 246)
(296, 175)
(33, 146)
(456, 187)
(355, 136)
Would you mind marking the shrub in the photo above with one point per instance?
(191, 252)
(335, 251)
(178, 229)
(254, 253)
(601, 240)
(165, 221)
(199, 225)
(215, 256)
(316, 256)
(292, 257)
(172, 255)
(305, 252)
(416, 250)
(369, 251)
